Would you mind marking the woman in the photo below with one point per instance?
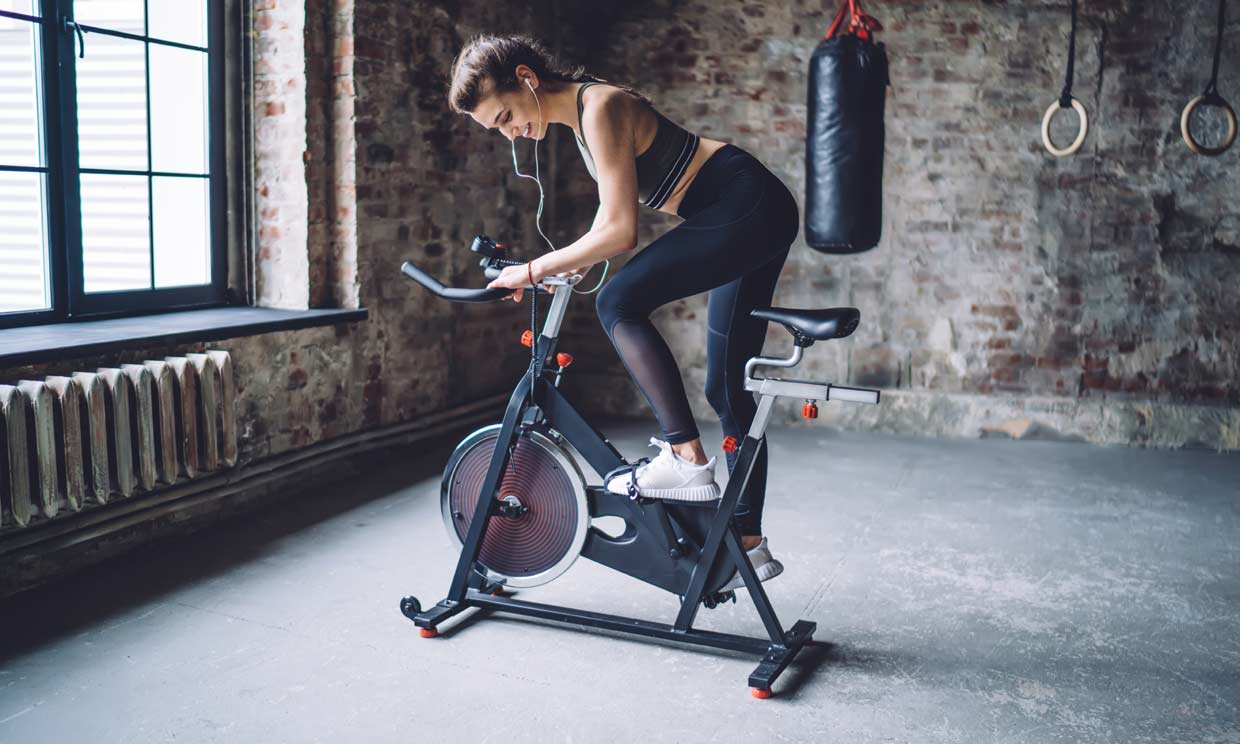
(739, 223)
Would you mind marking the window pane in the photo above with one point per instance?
(115, 246)
(20, 120)
(111, 96)
(115, 15)
(179, 20)
(25, 7)
(23, 243)
(178, 110)
(182, 231)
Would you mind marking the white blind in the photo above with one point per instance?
(111, 103)
(112, 122)
(23, 262)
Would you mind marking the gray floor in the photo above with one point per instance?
(987, 591)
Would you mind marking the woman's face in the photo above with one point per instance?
(514, 114)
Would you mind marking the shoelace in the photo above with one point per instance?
(646, 462)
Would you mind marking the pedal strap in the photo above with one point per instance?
(631, 469)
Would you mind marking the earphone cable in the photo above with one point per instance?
(537, 178)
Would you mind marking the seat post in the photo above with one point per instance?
(760, 361)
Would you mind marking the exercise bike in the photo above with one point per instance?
(537, 511)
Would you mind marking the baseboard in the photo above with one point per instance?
(1111, 421)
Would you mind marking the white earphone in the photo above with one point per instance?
(536, 176)
(538, 180)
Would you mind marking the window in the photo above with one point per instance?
(111, 158)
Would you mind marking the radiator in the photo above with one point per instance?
(67, 443)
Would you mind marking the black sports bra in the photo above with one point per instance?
(660, 166)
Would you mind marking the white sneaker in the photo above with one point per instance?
(667, 476)
(764, 564)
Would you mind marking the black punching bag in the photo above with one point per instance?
(844, 139)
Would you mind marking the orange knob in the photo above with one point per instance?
(810, 410)
(563, 359)
(729, 444)
(527, 338)
(759, 693)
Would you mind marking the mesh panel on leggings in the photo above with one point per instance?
(653, 368)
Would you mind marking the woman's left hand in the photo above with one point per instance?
(516, 278)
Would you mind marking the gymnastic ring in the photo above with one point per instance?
(1186, 125)
(1080, 135)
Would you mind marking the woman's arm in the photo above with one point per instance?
(608, 129)
(585, 269)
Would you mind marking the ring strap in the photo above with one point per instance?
(1211, 91)
(1065, 97)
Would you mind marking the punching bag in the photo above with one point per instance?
(844, 136)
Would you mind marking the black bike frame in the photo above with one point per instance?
(647, 554)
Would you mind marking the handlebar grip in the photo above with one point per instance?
(452, 293)
(492, 272)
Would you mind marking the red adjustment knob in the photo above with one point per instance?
(428, 632)
(729, 444)
(563, 359)
(527, 338)
(759, 693)
(809, 410)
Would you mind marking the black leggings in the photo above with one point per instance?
(740, 221)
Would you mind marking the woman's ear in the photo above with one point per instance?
(526, 75)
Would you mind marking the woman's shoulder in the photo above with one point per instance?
(611, 96)
(610, 105)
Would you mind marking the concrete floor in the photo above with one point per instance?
(965, 591)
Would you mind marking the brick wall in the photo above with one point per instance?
(386, 174)
(1005, 276)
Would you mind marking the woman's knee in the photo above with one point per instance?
(615, 302)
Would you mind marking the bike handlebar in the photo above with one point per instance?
(456, 294)
(493, 264)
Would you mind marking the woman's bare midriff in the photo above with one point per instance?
(706, 148)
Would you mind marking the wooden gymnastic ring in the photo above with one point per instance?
(1186, 126)
(1080, 135)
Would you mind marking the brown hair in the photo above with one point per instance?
(495, 58)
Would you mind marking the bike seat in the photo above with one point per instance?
(820, 325)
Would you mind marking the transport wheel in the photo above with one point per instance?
(410, 606)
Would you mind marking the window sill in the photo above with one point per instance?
(56, 341)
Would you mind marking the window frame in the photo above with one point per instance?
(62, 192)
